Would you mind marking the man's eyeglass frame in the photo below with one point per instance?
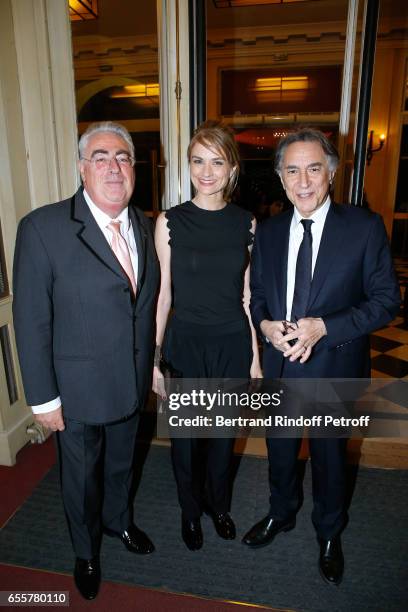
(106, 162)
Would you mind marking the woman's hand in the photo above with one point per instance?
(256, 370)
(158, 383)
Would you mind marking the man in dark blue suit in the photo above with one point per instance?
(326, 269)
(85, 280)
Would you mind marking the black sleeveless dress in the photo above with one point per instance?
(209, 255)
(208, 336)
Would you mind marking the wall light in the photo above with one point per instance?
(370, 147)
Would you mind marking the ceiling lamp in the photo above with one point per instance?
(82, 10)
(238, 3)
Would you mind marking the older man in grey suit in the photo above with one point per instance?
(85, 279)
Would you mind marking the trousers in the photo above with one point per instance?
(202, 468)
(96, 469)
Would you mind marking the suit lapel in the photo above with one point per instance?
(140, 239)
(280, 257)
(333, 235)
(90, 234)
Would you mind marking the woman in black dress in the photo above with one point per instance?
(203, 247)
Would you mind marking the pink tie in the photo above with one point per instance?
(120, 248)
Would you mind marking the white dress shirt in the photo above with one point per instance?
(126, 230)
(295, 239)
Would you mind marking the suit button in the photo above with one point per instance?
(136, 351)
(126, 290)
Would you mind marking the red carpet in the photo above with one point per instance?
(18, 482)
(111, 596)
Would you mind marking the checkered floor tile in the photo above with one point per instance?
(389, 345)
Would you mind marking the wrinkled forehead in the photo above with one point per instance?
(301, 154)
(106, 141)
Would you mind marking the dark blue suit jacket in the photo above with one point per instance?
(79, 334)
(354, 289)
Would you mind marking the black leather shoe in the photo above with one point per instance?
(87, 575)
(135, 540)
(331, 560)
(192, 534)
(263, 532)
(224, 525)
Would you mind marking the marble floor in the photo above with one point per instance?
(389, 345)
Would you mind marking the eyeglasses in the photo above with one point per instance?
(101, 161)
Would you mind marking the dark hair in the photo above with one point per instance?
(219, 137)
(307, 135)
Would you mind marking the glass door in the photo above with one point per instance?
(115, 55)
(272, 68)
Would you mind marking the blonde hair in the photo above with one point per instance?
(218, 137)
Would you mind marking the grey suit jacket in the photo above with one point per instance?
(79, 333)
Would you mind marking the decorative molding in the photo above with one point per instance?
(132, 56)
(298, 33)
(105, 45)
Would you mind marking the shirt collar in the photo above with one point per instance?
(318, 216)
(102, 218)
